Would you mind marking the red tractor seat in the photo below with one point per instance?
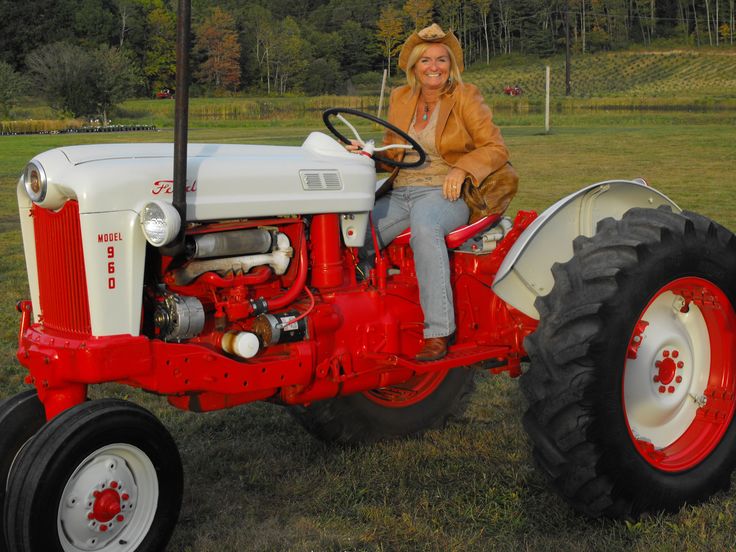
(459, 235)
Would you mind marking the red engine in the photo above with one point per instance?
(272, 309)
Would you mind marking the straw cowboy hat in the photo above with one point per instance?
(434, 35)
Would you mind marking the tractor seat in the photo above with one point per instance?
(459, 235)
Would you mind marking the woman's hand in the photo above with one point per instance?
(453, 185)
(354, 146)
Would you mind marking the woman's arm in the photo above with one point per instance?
(484, 149)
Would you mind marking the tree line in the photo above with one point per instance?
(86, 55)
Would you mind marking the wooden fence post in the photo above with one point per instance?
(380, 100)
(546, 101)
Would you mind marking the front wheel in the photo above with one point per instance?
(426, 401)
(21, 416)
(632, 385)
(104, 476)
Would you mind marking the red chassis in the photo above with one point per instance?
(359, 336)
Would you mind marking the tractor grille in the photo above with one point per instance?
(61, 277)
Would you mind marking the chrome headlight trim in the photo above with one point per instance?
(35, 182)
(160, 223)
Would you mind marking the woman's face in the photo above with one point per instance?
(432, 69)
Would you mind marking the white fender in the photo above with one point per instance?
(526, 272)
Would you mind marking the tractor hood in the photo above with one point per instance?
(223, 181)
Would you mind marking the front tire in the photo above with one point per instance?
(102, 476)
(427, 401)
(632, 384)
(21, 416)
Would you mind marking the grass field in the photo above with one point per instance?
(257, 481)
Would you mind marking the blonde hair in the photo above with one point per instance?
(417, 52)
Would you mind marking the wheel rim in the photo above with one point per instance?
(412, 391)
(679, 382)
(109, 502)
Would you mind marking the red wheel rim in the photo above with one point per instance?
(679, 382)
(411, 392)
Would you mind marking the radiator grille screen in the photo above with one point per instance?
(321, 180)
(61, 277)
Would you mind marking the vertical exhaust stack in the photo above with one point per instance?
(181, 122)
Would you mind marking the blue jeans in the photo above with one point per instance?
(431, 217)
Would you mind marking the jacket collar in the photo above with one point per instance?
(406, 115)
(446, 105)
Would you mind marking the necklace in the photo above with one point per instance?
(425, 115)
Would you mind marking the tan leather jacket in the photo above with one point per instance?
(466, 136)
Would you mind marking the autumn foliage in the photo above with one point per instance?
(339, 46)
(217, 40)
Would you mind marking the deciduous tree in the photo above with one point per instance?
(217, 39)
(484, 8)
(11, 85)
(115, 78)
(159, 59)
(292, 55)
(419, 12)
(81, 82)
(390, 32)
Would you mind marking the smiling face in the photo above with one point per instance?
(432, 69)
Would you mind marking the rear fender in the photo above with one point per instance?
(526, 272)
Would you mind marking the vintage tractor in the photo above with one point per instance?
(233, 277)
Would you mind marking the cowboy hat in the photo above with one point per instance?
(433, 35)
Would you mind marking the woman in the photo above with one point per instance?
(454, 126)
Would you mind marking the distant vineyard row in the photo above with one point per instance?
(674, 74)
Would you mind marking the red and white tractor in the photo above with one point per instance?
(231, 278)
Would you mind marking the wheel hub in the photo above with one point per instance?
(668, 371)
(106, 505)
(98, 502)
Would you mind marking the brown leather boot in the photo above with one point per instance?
(434, 348)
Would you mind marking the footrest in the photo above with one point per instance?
(457, 355)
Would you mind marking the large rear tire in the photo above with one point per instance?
(632, 384)
(427, 401)
(103, 476)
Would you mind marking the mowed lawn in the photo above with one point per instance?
(256, 481)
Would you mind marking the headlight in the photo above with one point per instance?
(160, 223)
(34, 178)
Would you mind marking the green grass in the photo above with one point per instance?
(256, 481)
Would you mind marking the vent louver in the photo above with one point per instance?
(321, 180)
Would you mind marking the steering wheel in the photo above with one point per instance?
(368, 147)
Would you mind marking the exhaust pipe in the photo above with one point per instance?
(181, 123)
